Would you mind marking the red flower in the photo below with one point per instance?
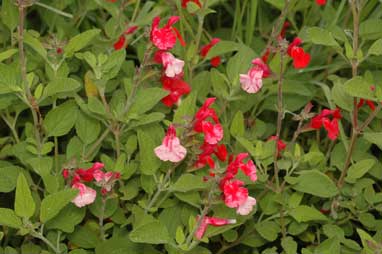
(65, 173)
(204, 113)
(165, 38)
(185, 2)
(368, 102)
(234, 194)
(177, 87)
(322, 120)
(301, 59)
(120, 44)
(215, 61)
(283, 30)
(321, 2)
(130, 30)
(213, 133)
(221, 152)
(280, 144)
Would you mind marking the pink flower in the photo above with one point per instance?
(165, 38)
(171, 149)
(172, 65)
(213, 133)
(85, 196)
(217, 222)
(234, 194)
(246, 207)
(249, 169)
(252, 81)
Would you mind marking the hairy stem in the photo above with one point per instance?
(55, 10)
(96, 144)
(40, 236)
(354, 64)
(101, 217)
(280, 115)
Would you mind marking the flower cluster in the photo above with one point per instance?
(80, 176)
(172, 77)
(252, 82)
(323, 120)
(300, 58)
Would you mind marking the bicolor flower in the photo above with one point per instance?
(213, 133)
(85, 196)
(213, 221)
(171, 149)
(165, 38)
(173, 66)
(253, 80)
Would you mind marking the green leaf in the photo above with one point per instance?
(361, 88)
(370, 29)
(145, 100)
(8, 178)
(7, 54)
(376, 48)
(179, 236)
(305, 213)
(69, 217)
(96, 106)
(221, 48)
(321, 36)
(60, 120)
(80, 41)
(85, 237)
(10, 79)
(9, 218)
(329, 246)
(147, 119)
(35, 44)
(189, 182)
(9, 14)
(316, 183)
(268, 230)
(149, 163)
(374, 138)
(61, 85)
(111, 207)
(186, 109)
(237, 125)
(152, 233)
(119, 245)
(54, 203)
(359, 169)
(87, 128)
(289, 245)
(24, 203)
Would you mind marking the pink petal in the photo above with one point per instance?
(247, 206)
(86, 195)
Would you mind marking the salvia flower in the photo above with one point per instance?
(280, 144)
(177, 88)
(120, 44)
(172, 66)
(106, 180)
(171, 149)
(252, 82)
(321, 2)
(85, 196)
(185, 2)
(213, 221)
(215, 61)
(300, 58)
(330, 125)
(165, 38)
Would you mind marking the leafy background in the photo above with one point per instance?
(83, 105)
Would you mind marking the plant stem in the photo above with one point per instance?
(160, 188)
(55, 10)
(31, 102)
(101, 229)
(40, 236)
(280, 115)
(354, 65)
(202, 215)
(12, 127)
(97, 143)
